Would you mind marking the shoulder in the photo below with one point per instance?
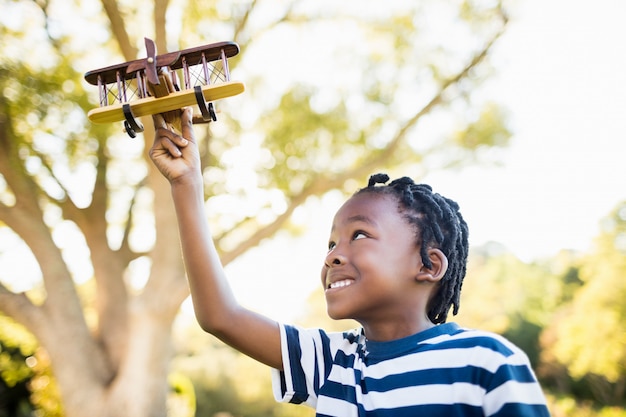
(347, 341)
(477, 342)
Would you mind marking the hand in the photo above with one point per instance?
(176, 156)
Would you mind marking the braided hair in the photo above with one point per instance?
(438, 224)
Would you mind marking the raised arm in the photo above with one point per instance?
(216, 308)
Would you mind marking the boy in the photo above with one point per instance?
(396, 261)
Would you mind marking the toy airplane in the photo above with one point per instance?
(151, 86)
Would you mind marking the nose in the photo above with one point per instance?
(334, 258)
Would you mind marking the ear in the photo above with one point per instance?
(438, 269)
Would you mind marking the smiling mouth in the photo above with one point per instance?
(340, 284)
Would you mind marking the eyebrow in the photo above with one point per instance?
(360, 218)
(357, 218)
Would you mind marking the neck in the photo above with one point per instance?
(393, 330)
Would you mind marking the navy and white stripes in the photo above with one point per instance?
(443, 371)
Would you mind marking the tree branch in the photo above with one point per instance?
(160, 11)
(108, 265)
(240, 25)
(19, 308)
(323, 184)
(119, 29)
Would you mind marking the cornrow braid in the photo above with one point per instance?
(439, 224)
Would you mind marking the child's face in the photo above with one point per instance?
(373, 259)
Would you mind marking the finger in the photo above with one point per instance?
(159, 121)
(164, 133)
(187, 124)
(171, 147)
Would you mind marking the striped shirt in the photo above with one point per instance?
(443, 371)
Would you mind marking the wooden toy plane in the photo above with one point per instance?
(153, 85)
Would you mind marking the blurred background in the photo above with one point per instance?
(513, 108)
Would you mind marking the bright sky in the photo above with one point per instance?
(562, 74)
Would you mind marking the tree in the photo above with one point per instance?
(510, 297)
(61, 176)
(588, 335)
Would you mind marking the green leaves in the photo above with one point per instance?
(488, 129)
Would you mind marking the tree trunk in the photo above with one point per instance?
(140, 388)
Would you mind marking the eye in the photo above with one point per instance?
(331, 246)
(359, 235)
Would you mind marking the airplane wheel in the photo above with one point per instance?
(212, 112)
(207, 109)
(129, 130)
(130, 124)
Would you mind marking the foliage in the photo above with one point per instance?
(588, 335)
(182, 398)
(15, 348)
(226, 382)
(26, 382)
(567, 406)
(500, 289)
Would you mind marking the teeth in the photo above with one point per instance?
(339, 284)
